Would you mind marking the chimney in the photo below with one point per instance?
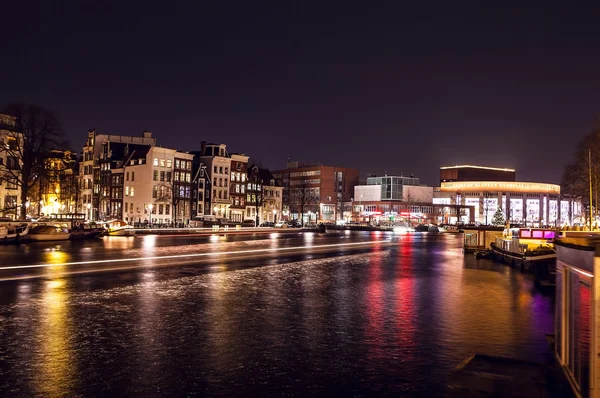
(147, 134)
(202, 147)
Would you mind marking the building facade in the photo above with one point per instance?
(392, 200)
(272, 201)
(10, 188)
(476, 173)
(218, 164)
(237, 189)
(90, 169)
(529, 203)
(263, 196)
(320, 190)
(59, 187)
(158, 187)
(201, 194)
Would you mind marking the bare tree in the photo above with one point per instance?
(168, 194)
(409, 200)
(576, 181)
(302, 198)
(36, 131)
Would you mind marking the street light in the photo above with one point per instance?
(150, 206)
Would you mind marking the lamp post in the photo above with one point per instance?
(89, 207)
(150, 206)
(274, 216)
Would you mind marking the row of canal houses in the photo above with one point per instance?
(134, 179)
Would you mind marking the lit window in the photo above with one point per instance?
(126, 191)
(169, 163)
(162, 163)
(156, 162)
(131, 195)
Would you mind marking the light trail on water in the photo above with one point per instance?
(190, 255)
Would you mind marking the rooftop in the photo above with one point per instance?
(469, 166)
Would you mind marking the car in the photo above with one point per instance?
(295, 224)
(268, 224)
(282, 224)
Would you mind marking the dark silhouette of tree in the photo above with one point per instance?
(302, 198)
(35, 132)
(575, 182)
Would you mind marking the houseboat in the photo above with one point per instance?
(87, 231)
(13, 233)
(525, 247)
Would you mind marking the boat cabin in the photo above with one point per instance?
(521, 240)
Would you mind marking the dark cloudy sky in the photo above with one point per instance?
(394, 86)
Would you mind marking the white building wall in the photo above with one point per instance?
(219, 169)
(420, 194)
(272, 203)
(367, 193)
(141, 180)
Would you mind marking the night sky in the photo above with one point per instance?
(397, 88)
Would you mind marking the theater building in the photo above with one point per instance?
(529, 203)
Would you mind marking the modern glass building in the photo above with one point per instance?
(391, 186)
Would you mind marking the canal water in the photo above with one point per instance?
(392, 321)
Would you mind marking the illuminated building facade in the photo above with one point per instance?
(392, 200)
(218, 165)
(157, 186)
(237, 189)
(530, 203)
(58, 189)
(90, 169)
(201, 191)
(476, 173)
(263, 196)
(316, 192)
(10, 189)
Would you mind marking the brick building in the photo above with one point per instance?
(314, 190)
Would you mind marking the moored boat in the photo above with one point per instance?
(87, 233)
(525, 247)
(48, 233)
(13, 233)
